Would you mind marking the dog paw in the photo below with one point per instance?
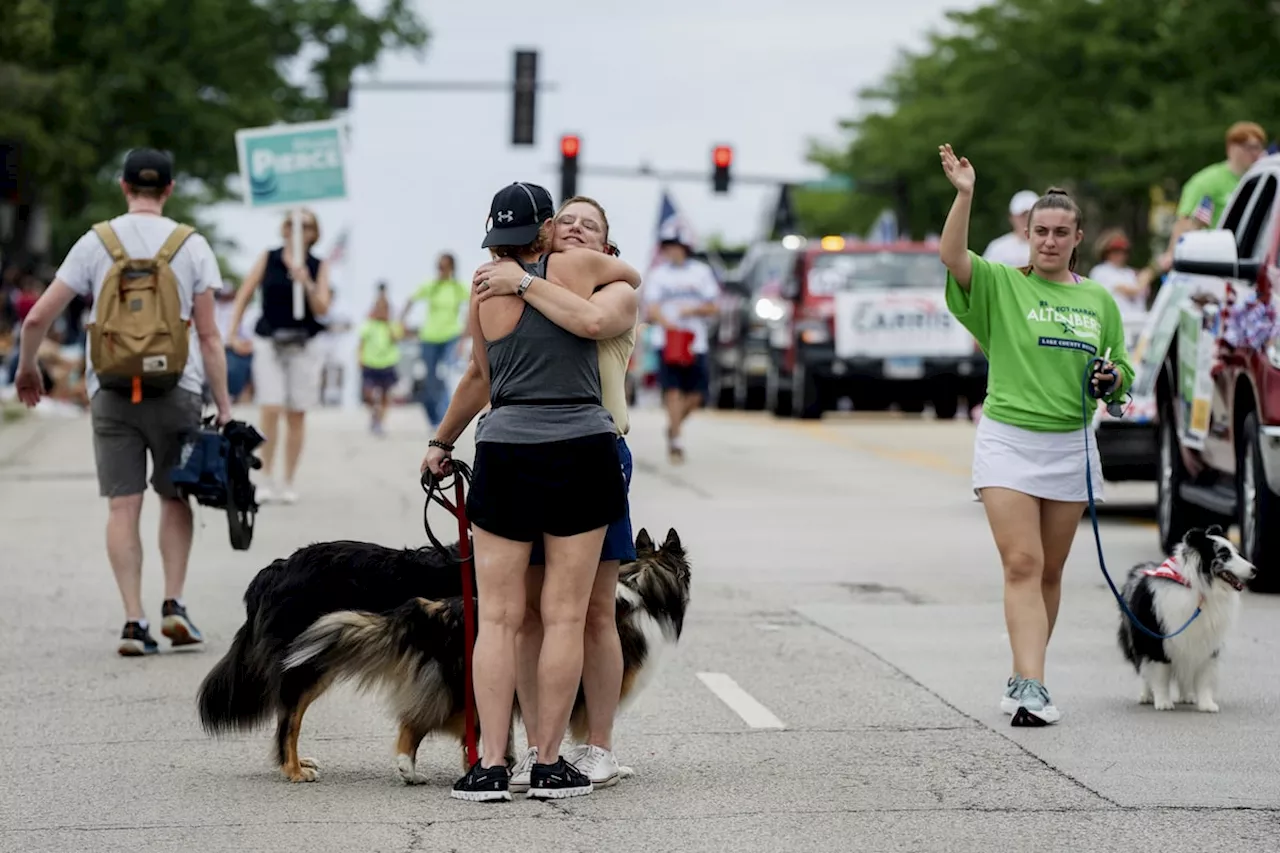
(1207, 707)
(1189, 699)
(309, 762)
(303, 774)
(1146, 698)
(1163, 705)
(405, 766)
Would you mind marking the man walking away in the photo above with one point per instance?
(152, 278)
(682, 294)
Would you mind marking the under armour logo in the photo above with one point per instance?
(506, 216)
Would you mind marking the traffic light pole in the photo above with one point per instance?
(677, 175)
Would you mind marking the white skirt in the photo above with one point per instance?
(1046, 465)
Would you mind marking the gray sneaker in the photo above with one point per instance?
(1009, 701)
(1035, 708)
(520, 774)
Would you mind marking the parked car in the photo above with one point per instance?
(866, 321)
(1217, 393)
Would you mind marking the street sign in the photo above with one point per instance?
(292, 164)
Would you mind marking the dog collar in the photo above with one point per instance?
(1168, 570)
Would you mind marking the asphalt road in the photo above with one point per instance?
(844, 583)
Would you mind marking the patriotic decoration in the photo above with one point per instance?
(1167, 570)
(339, 250)
(671, 226)
(1251, 325)
(1204, 212)
(885, 229)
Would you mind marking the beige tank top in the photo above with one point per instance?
(615, 353)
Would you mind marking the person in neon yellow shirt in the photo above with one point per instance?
(379, 355)
(446, 302)
(1040, 327)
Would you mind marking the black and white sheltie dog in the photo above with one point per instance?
(378, 616)
(1206, 570)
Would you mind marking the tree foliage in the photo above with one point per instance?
(86, 81)
(1108, 98)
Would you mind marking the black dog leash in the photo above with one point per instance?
(435, 489)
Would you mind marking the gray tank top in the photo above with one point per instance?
(544, 382)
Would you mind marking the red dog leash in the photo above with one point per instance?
(435, 492)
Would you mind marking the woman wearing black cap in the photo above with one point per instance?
(546, 467)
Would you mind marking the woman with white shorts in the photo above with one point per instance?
(288, 362)
(1040, 327)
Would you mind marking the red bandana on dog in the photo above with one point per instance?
(1168, 570)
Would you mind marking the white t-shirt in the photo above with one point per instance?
(142, 235)
(1009, 249)
(674, 288)
(1109, 275)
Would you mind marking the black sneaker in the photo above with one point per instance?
(136, 641)
(557, 781)
(177, 626)
(483, 784)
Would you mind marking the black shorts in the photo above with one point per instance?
(561, 488)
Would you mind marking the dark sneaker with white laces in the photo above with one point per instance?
(136, 641)
(557, 781)
(177, 625)
(483, 784)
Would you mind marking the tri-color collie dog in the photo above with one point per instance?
(1206, 570)
(392, 619)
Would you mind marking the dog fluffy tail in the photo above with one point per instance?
(375, 649)
(236, 694)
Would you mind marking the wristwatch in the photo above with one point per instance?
(524, 284)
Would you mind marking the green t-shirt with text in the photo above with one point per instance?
(1038, 336)
(1216, 183)
(444, 298)
(379, 347)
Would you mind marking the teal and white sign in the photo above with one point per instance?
(291, 164)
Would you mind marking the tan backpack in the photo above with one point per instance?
(138, 342)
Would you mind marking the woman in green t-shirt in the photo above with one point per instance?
(446, 301)
(1040, 327)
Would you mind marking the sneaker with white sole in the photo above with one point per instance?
(1035, 708)
(519, 783)
(557, 781)
(597, 763)
(1009, 701)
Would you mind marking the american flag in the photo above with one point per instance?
(670, 224)
(339, 250)
(885, 228)
(1204, 212)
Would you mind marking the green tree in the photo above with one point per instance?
(98, 77)
(1105, 97)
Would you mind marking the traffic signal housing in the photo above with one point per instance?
(722, 159)
(569, 147)
(525, 91)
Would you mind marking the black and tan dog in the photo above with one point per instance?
(393, 619)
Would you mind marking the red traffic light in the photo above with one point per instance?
(722, 156)
(569, 145)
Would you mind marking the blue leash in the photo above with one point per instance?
(1093, 514)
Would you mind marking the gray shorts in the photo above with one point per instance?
(123, 432)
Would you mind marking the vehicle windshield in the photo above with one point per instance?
(835, 271)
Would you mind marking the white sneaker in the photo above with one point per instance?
(265, 493)
(289, 496)
(519, 782)
(598, 764)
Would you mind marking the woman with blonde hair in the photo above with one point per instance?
(287, 364)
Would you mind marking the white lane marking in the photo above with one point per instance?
(740, 701)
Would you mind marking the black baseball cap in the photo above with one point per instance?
(147, 167)
(516, 214)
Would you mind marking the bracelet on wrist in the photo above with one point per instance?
(443, 445)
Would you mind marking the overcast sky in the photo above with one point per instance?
(663, 81)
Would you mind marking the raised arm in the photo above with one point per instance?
(953, 246)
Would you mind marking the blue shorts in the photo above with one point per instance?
(619, 543)
(691, 379)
